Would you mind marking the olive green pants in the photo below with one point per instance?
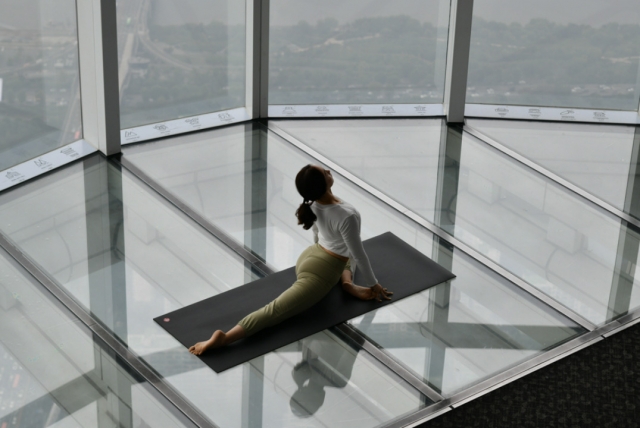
(317, 272)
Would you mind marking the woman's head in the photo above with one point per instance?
(307, 399)
(312, 182)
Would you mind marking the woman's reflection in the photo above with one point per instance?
(326, 362)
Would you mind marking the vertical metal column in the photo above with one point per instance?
(255, 191)
(258, 58)
(107, 281)
(105, 245)
(117, 405)
(252, 393)
(624, 271)
(446, 193)
(255, 233)
(628, 241)
(99, 85)
(455, 90)
(448, 178)
(632, 196)
(438, 315)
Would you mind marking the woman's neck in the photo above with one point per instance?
(328, 199)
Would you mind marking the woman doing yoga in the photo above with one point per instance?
(336, 227)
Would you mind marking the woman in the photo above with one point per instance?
(337, 235)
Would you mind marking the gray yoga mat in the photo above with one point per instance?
(397, 265)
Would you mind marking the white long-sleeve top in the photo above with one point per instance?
(338, 230)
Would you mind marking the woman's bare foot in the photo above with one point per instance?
(217, 340)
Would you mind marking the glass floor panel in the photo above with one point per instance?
(460, 333)
(569, 248)
(601, 159)
(54, 372)
(261, 167)
(127, 256)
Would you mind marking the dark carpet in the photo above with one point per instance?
(596, 387)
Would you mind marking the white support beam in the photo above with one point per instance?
(455, 90)
(258, 58)
(99, 86)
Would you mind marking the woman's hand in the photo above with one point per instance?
(378, 292)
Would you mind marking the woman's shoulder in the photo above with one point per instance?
(337, 211)
(345, 210)
(347, 207)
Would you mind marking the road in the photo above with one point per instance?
(143, 34)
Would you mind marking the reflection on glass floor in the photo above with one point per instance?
(602, 159)
(127, 256)
(435, 334)
(565, 246)
(54, 373)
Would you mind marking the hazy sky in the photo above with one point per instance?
(29, 13)
(592, 12)
(283, 12)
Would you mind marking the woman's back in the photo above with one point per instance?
(337, 229)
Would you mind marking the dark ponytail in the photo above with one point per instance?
(311, 184)
(306, 217)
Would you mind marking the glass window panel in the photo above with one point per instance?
(569, 53)
(128, 256)
(484, 301)
(598, 158)
(180, 58)
(38, 334)
(39, 86)
(540, 231)
(367, 52)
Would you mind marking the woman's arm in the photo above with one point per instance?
(350, 231)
